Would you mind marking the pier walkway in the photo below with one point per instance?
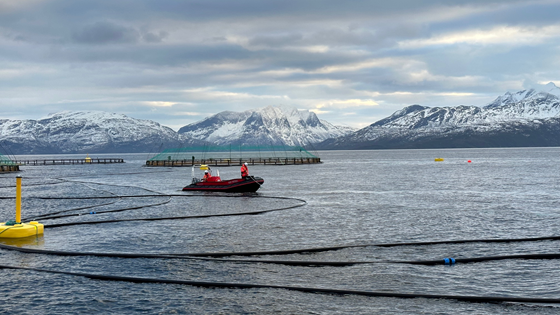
(9, 168)
(88, 160)
(234, 162)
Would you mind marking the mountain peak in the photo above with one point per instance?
(284, 111)
(272, 124)
(551, 88)
(532, 91)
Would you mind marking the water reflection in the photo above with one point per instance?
(33, 240)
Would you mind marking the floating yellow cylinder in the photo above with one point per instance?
(438, 159)
(88, 159)
(16, 229)
(20, 230)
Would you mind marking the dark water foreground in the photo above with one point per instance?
(353, 198)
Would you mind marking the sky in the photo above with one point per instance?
(351, 62)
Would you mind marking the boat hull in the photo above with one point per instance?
(248, 184)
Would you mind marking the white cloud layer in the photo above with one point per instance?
(353, 63)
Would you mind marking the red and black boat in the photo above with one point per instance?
(215, 183)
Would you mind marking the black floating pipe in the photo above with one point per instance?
(465, 298)
(206, 256)
(452, 261)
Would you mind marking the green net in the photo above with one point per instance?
(233, 152)
(4, 160)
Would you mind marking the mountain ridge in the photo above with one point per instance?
(103, 132)
(508, 121)
(530, 117)
(82, 132)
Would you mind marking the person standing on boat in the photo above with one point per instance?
(244, 170)
(206, 176)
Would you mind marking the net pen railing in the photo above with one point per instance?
(233, 155)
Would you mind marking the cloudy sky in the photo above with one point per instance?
(351, 62)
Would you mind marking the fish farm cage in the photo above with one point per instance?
(7, 165)
(234, 155)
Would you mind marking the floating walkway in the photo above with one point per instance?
(236, 162)
(39, 162)
(9, 168)
(7, 165)
(233, 156)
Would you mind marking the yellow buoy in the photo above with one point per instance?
(7, 230)
(438, 159)
(88, 159)
(15, 228)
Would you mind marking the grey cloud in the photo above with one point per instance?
(14, 37)
(155, 38)
(277, 40)
(531, 13)
(382, 36)
(310, 9)
(74, 12)
(106, 33)
(372, 37)
(116, 52)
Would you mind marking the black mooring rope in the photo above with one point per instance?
(466, 298)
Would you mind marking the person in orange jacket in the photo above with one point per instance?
(206, 176)
(244, 170)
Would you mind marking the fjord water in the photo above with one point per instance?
(354, 197)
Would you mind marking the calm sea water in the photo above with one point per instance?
(354, 197)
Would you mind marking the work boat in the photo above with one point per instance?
(215, 183)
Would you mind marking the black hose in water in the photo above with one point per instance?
(212, 257)
(465, 298)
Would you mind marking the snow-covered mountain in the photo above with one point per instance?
(270, 125)
(526, 118)
(83, 132)
(103, 132)
(510, 98)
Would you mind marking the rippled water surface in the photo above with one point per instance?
(353, 198)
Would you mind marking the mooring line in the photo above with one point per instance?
(205, 284)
